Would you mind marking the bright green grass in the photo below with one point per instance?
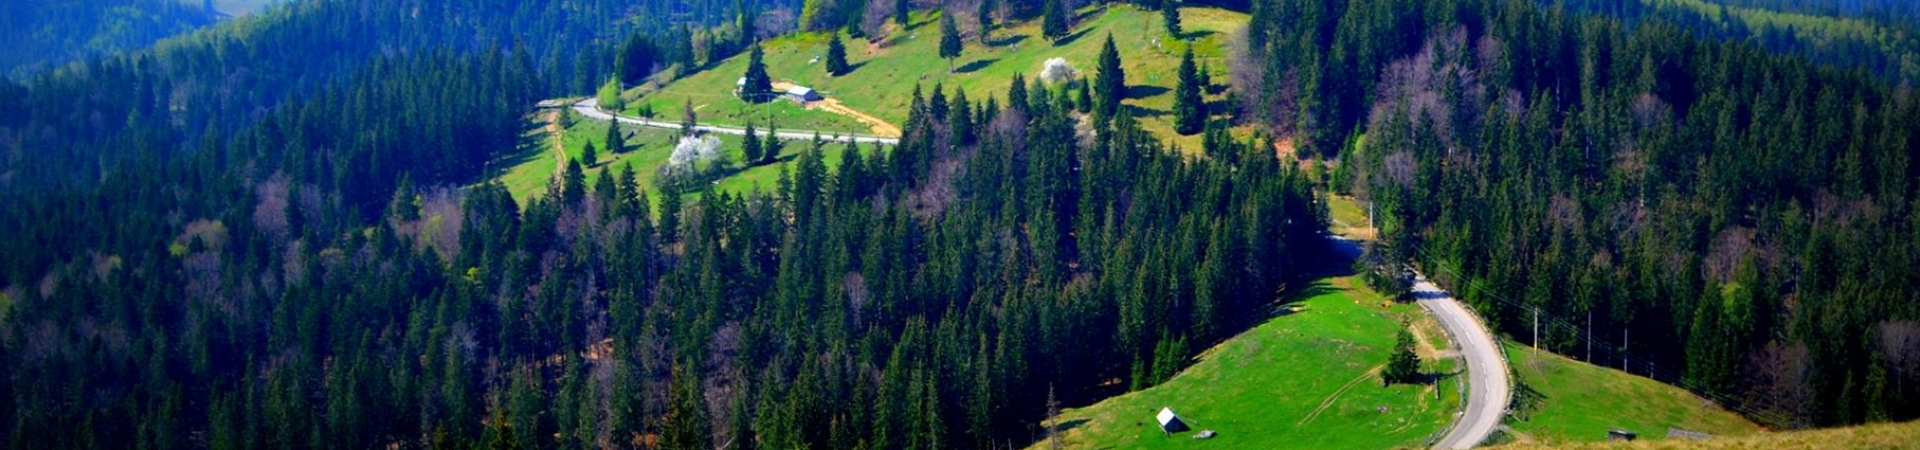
(238, 8)
(723, 108)
(1257, 389)
(883, 78)
(1579, 402)
(529, 170)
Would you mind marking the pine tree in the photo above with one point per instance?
(770, 146)
(573, 183)
(1404, 365)
(750, 147)
(616, 144)
(686, 425)
(758, 83)
(588, 155)
(1110, 83)
(901, 10)
(950, 44)
(688, 119)
(985, 16)
(1170, 16)
(1053, 23)
(1189, 107)
(1017, 95)
(836, 56)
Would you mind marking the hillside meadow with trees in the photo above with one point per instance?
(276, 232)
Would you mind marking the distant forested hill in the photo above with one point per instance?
(36, 34)
(1736, 221)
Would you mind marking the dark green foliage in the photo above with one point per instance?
(950, 43)
(902, 14)
(588, 155)
(1403, 366)
(689, 119)
(616, 142)
(636, 59)
(750, 148)
(1170, 17)
(759, 85)
(1109, 81)
(1053, 23)
(1189, 106)
(837, 56)
(985, 17)
(771, 146)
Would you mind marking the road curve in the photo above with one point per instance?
(591, 109)
(1488, 388)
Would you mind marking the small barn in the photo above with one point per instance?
(803, 94)
(1170, 422)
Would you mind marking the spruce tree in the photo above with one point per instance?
(1110, 83)
(1017, 95)
(836, 56)
(686, 425)
(1170, 15)
(688, 119)
(1404, 365)
(616, 144)
(1189, 107)
(900, 14)
(588, 155)
(1053, 24)
(758, 83)
(770, 146)
(985, 16)
(950, 43)
(750, 147)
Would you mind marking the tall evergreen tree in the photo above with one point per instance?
(1170, 16)
(750, 150)
(1403, 366)
(1109, 82)
(985, 16)
(689, 119)
(1053, 23)
(758, 85)
(616, 143)
(902, 14)
(686, 426)
(1189, 107)
(836, 56)
(588, 155)
(950, 43)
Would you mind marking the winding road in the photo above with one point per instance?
(1488, 388)
(590, 108)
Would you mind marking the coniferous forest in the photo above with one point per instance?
(278, 231)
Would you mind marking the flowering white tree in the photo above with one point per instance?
(695, 159)
(1056, 70)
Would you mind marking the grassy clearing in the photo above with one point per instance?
(1880, 436)
(1579, 402)
(885, 74)
(1303, 379)
(528, 171)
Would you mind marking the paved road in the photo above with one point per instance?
(591, 109)
(1488, 389)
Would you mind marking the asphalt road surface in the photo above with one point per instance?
(1488, 388)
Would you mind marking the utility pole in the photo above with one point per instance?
(1536, 330)
(1589, 337)
(1625, 345)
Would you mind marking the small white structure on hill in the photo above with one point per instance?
(1170, 422)
(803, 94)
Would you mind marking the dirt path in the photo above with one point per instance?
(559, 142)
(874, 124)
(1324, 404)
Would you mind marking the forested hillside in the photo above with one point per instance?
(258, 237)
(1737, 222)
(44, 33)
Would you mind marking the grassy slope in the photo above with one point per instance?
(528, 171)
(884, 76)
(1880, 436)
(1580, 402)
(1260, 390)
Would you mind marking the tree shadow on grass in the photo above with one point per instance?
(1144, 91)
(1070, 37)
(1006, 40)
(975, 65)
